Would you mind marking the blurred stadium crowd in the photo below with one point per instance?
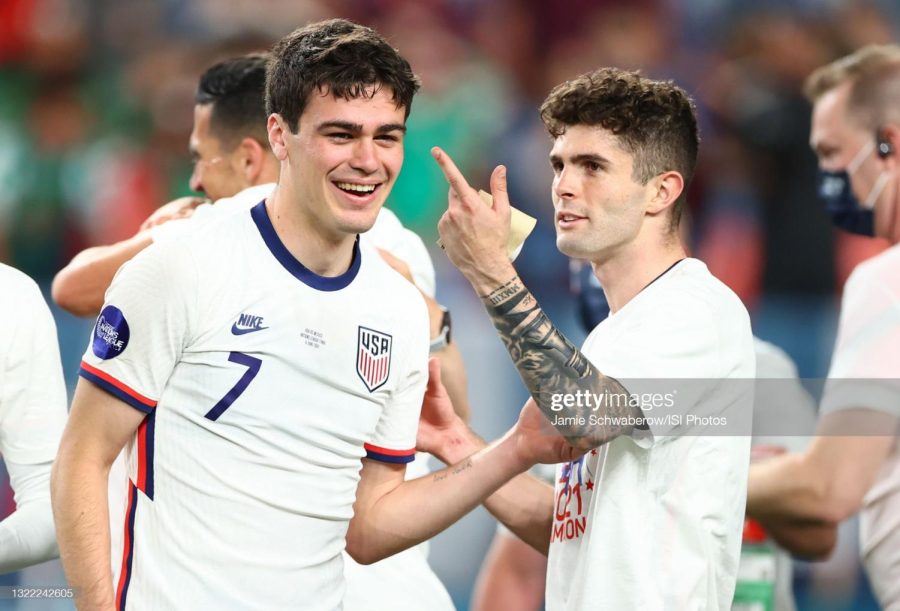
(95, 113)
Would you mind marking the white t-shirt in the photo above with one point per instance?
(32, 417)
(264, 386)
(865, 373)
(654, 521)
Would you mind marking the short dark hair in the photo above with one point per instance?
(655, 121)
(236, 90)
(338, 56)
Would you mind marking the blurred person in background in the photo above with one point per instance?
(853, 464)
(32, 417)
(232, 159)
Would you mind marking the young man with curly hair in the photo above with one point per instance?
(651, 516)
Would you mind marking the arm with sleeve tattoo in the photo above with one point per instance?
(550, 366)
(474, 237)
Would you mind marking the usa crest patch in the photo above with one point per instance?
(373, 357)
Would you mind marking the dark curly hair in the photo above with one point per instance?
(338, 56)
(655, 121)
(236, 90)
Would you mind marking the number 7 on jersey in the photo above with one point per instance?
(252, 364)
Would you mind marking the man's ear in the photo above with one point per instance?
(252, 158)
(888, 143)
(667, 187)
(278, 132)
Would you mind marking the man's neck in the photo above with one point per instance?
(323, 254)
(269, 172)
(626, 274)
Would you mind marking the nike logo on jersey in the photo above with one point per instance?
(247, 323)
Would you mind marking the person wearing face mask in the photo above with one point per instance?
(853, 463)
(836, 191)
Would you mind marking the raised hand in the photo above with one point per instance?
(475, 235)
(438, 423)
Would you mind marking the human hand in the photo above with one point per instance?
(538, 442)
(475, 235)
(441, 432)
(180, 208)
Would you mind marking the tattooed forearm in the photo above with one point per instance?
(551, 366)
(501, 294)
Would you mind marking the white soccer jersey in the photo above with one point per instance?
(264, 386)
(32, 417)
(865, 373)
(385, 583)
(655, 522)
(32, 393)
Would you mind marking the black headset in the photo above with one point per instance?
(885, 148)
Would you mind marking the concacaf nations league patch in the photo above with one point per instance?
(110, 333)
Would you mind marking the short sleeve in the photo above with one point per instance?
(395, 435)
(32, 392)
(143, 326)
(865, 367)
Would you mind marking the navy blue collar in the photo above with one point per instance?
(298, 270)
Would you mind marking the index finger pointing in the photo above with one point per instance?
(451, 172)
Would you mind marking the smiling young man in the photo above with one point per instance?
(651, 517)
(254, 366)
(250, 366)
(235, 167)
